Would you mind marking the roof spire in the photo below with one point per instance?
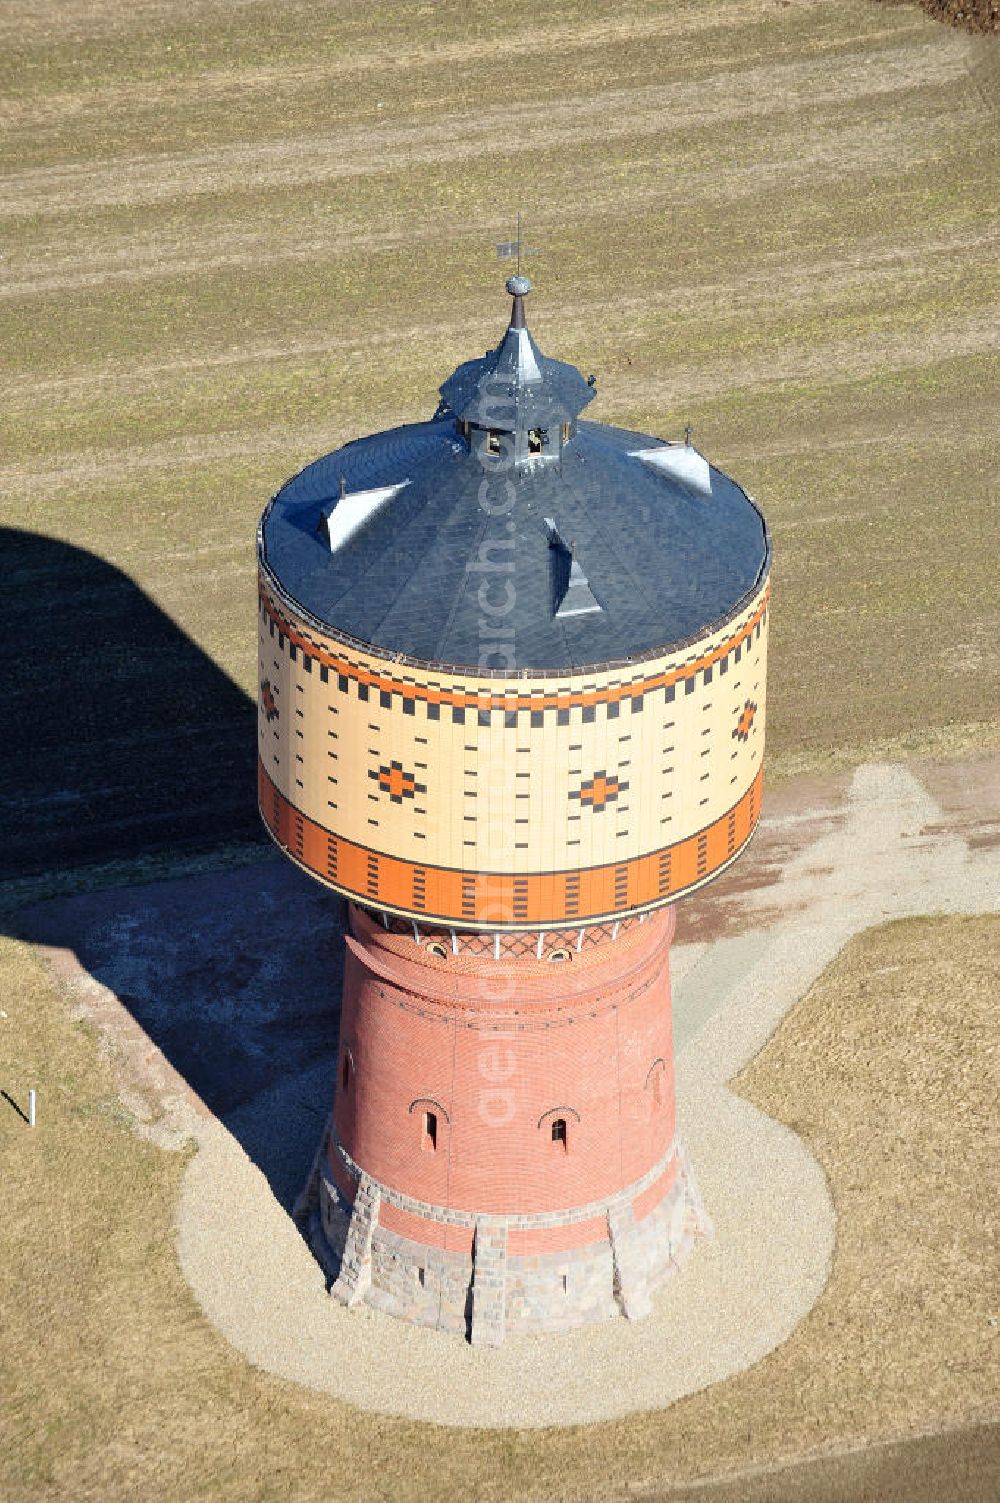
(518, 287)
(515, 387)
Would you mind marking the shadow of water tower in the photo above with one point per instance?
(121, 736)
(124, 740)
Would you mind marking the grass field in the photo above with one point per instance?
(235, 235)
(116, 1386)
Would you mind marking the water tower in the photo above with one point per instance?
(512, 681)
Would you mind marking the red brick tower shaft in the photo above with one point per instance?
(528, 1107)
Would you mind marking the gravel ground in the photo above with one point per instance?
(887, 853)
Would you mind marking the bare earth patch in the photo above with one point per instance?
(970, 15)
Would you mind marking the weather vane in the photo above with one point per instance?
(506, 249)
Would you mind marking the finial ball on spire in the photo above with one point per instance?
(518, 286)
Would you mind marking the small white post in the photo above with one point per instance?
(31, 1106)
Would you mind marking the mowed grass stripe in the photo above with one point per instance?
(331, 110)
(296, 72)
(187, 40)
(334, 75)
(689, 233)
(60, 251)
(483, 133)
(44, 414)
(681, 350)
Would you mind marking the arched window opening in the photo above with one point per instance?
(428, 1111)
(556, 1122)
(654, 1083)
(435, 947)
(559, 955)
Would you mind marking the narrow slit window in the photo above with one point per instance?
(559, 1133)
(430, 1136)
(345, 1072)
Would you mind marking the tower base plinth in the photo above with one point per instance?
(489, 1293)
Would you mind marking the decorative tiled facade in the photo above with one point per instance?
(483, 795)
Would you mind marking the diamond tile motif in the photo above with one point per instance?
(396, 782)
(599, 791)
(745, 721)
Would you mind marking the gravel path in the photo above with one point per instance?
(886, 853)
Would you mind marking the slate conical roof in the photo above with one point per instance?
(608, 546)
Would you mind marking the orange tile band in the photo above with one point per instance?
(632, 689)
(486, 900)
